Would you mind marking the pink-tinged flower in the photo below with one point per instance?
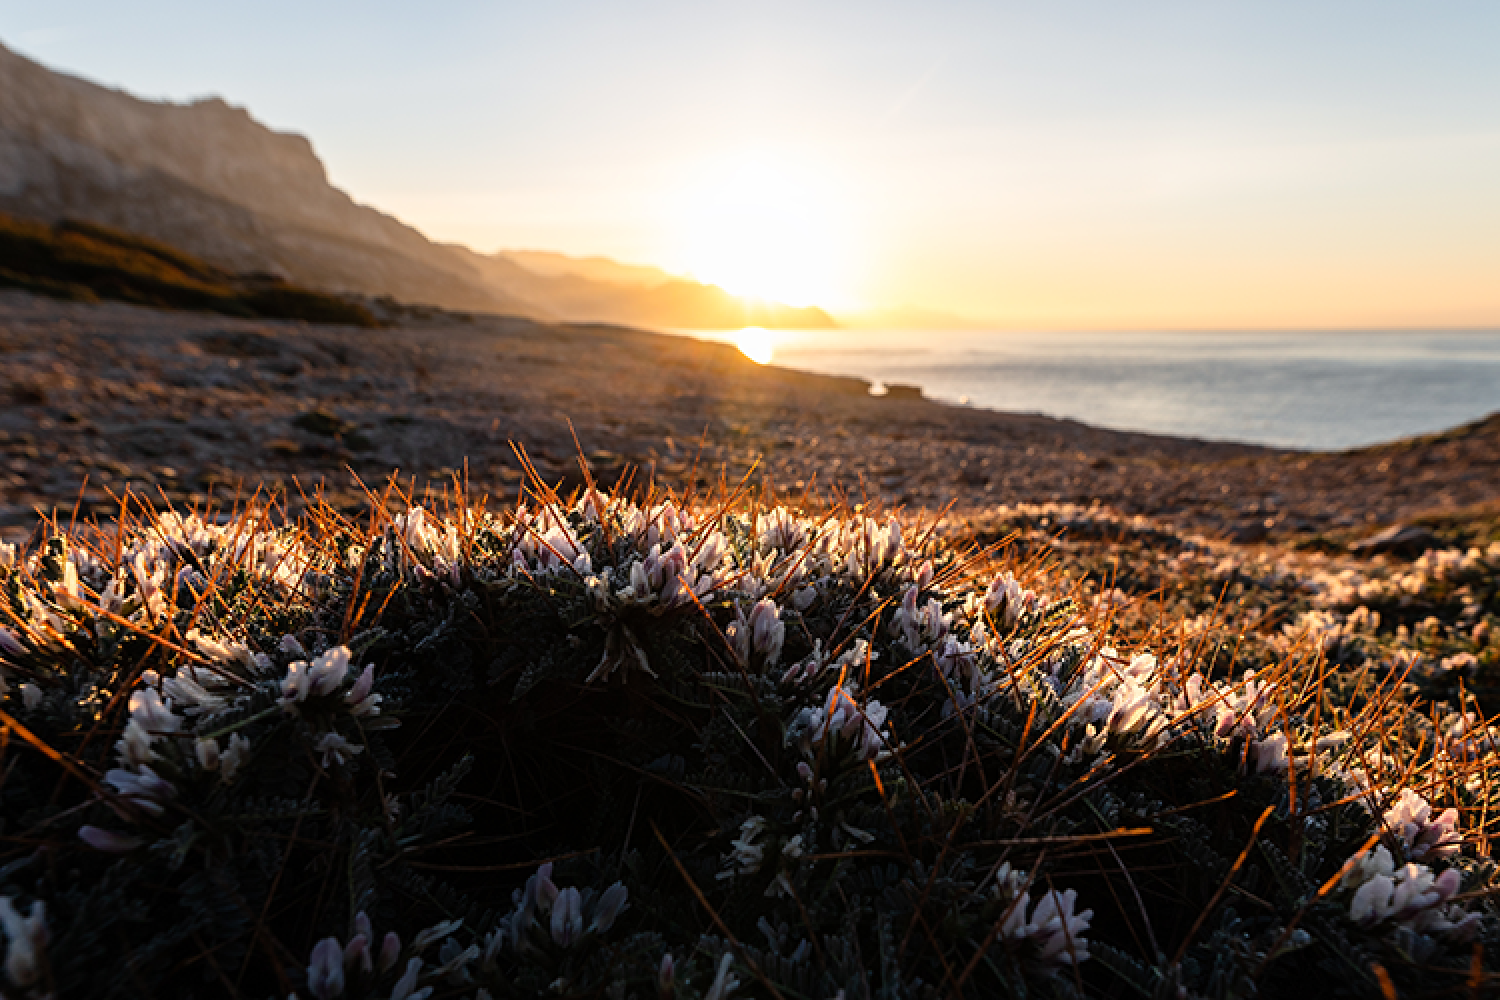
(10, 643)
(325, 971)
(320, 677)
(541, 890)
(567, 917)
(1006, 600)
(1059, 930)
(108, 841)
(296, 685)
(666, 977)
(329, 670)
(767, 631)
(1410, 818)
(610, 906)
(144, 789)
(390, 950)
(362, 687)
(357, 951)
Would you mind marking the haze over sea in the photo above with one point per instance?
(1316, 390)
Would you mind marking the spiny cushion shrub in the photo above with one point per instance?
(620, 748)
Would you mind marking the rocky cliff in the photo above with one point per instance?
(210, 179)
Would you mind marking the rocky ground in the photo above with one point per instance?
(193, 407)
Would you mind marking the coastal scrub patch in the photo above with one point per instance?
(705, 747)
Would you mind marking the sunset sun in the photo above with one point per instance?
(764, 228)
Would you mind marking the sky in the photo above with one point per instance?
(1093, 165)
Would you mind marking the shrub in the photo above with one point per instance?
(85, 262)
(615, 747)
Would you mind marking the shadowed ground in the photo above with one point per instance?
(194, 404)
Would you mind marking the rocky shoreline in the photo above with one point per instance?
(192, 408)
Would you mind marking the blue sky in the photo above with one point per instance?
(1069, 164)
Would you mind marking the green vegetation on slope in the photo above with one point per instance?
(86, 262)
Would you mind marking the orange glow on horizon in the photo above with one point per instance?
(762, 226)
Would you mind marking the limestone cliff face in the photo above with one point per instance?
(209, 178)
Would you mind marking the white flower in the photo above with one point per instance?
(1131, 708)
(1410, 818)
(610, 906)
(843, 715)
(233, 654)
(192, 697)
(361, 699)
(747, 855)
(1411, 896)
(406, 986)
(921, 627)
(147, 708)
(1270, 754)
(325, 971)
(208, 754)
(26, 938)
(724, 983)
(1058, 930)
(329, 670)
(322, 676)
(779, 531)
(334, 749)
(1052, 926)
(567, 917)
(390, 950)
(437, 932)
(233, 756)
(767, 630)
(761, 634)
(108, 841)
(142, 788)
(1006, 600)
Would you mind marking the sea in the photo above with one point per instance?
(1315, 390)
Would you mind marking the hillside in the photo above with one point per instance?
(208, 178)
(87, 262)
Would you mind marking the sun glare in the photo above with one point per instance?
(756, 344)
(760, 228)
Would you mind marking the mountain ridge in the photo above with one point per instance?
(207, 177)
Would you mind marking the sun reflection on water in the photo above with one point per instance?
(756, 344)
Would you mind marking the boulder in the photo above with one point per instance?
(1399, 539)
